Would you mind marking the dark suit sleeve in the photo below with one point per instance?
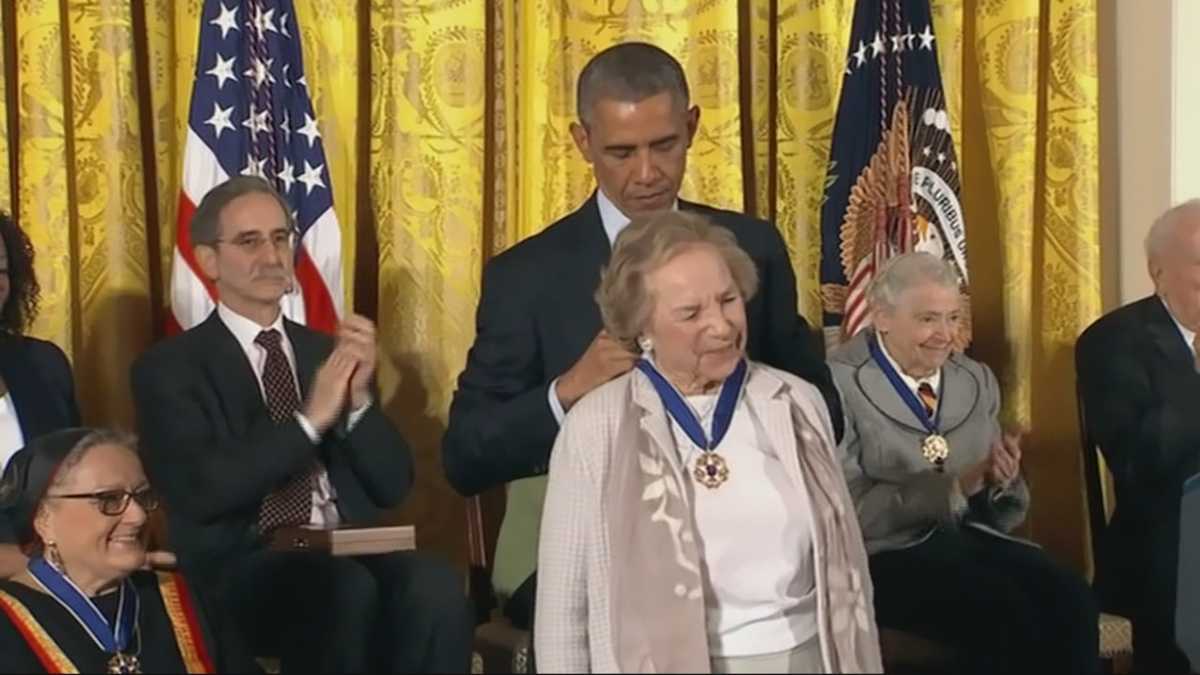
(202, 476)
(792, 344)
(501, 427)
(380, 458)
(1146, 441)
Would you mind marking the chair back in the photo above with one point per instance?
(485, 512)
(1096, 480)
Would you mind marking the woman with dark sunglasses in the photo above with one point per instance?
(78, 501)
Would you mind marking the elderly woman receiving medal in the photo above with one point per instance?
(696, 518)
(938, 487)
(78, 500)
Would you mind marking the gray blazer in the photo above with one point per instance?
(899, 497)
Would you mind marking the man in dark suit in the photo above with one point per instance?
(1138, 375)
(539, 347)
(249, 423)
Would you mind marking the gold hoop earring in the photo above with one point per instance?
(52, 555)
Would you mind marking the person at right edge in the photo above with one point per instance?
(1139, 376)
(539, 346)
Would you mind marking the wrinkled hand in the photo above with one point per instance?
(356, 336)
(604, 359)
(1005, 458)
(974, 478)
(327, 396)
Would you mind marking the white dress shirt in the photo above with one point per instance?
(324, 505)
(12, 438)
(756, 541)
(614, 220)
(1189, 337)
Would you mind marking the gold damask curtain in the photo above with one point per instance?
(445, 127)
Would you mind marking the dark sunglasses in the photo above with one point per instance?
(116, 502)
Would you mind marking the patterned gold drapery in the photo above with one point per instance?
(445, 126)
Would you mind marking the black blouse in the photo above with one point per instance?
(154, 640)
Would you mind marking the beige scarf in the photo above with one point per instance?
(657, 604)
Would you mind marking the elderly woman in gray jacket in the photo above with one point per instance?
(696, 517)
(938, 487)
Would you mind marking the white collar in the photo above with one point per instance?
(613, 218)
(246, 330)
(934, 380)
(1189, 336)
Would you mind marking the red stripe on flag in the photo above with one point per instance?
(183, 241)
(319, 312)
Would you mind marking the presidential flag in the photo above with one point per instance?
(893, 183)
(251, 114)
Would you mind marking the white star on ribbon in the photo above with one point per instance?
(285, 127)
(877, 46)
(311, 177)
(287, 175)
(925, 151)
(227, 21)
(255, 167)
(897, 43)
(287, 81)
(223, 71)
(283, 25)
(220, 119)
(926, 38)
(257, 122)
(262, 21)
(309, 130)
(908, 38)
(261, 71)
(302, 81)
(861, 54)
(941, 157)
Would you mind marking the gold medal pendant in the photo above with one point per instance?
(124, 663)
(711, 470)
(935, 449)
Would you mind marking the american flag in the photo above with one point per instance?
(251, 114)
(893, 183)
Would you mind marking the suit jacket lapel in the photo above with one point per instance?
(230, 373)
(960, 394)
(879, 391)
(308, 354)
(25, 392)
(1165, 334)
(578, 317)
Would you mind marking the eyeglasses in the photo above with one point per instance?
(116, 502)
(253, 242)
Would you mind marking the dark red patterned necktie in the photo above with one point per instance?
(925, 391)
(291, 503)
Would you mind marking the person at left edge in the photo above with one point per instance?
(37, 391)
(251, 422)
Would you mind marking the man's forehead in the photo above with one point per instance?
(253, 212)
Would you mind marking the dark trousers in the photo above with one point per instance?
(1003, 606)
(395, 613)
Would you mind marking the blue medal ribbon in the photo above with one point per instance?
(906, 394)
(682, 413)
(110, 639)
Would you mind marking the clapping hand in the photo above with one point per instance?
(1005, 459)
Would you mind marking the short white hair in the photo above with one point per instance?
(1164, 229)
(906, 271)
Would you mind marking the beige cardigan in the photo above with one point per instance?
(575, 628)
